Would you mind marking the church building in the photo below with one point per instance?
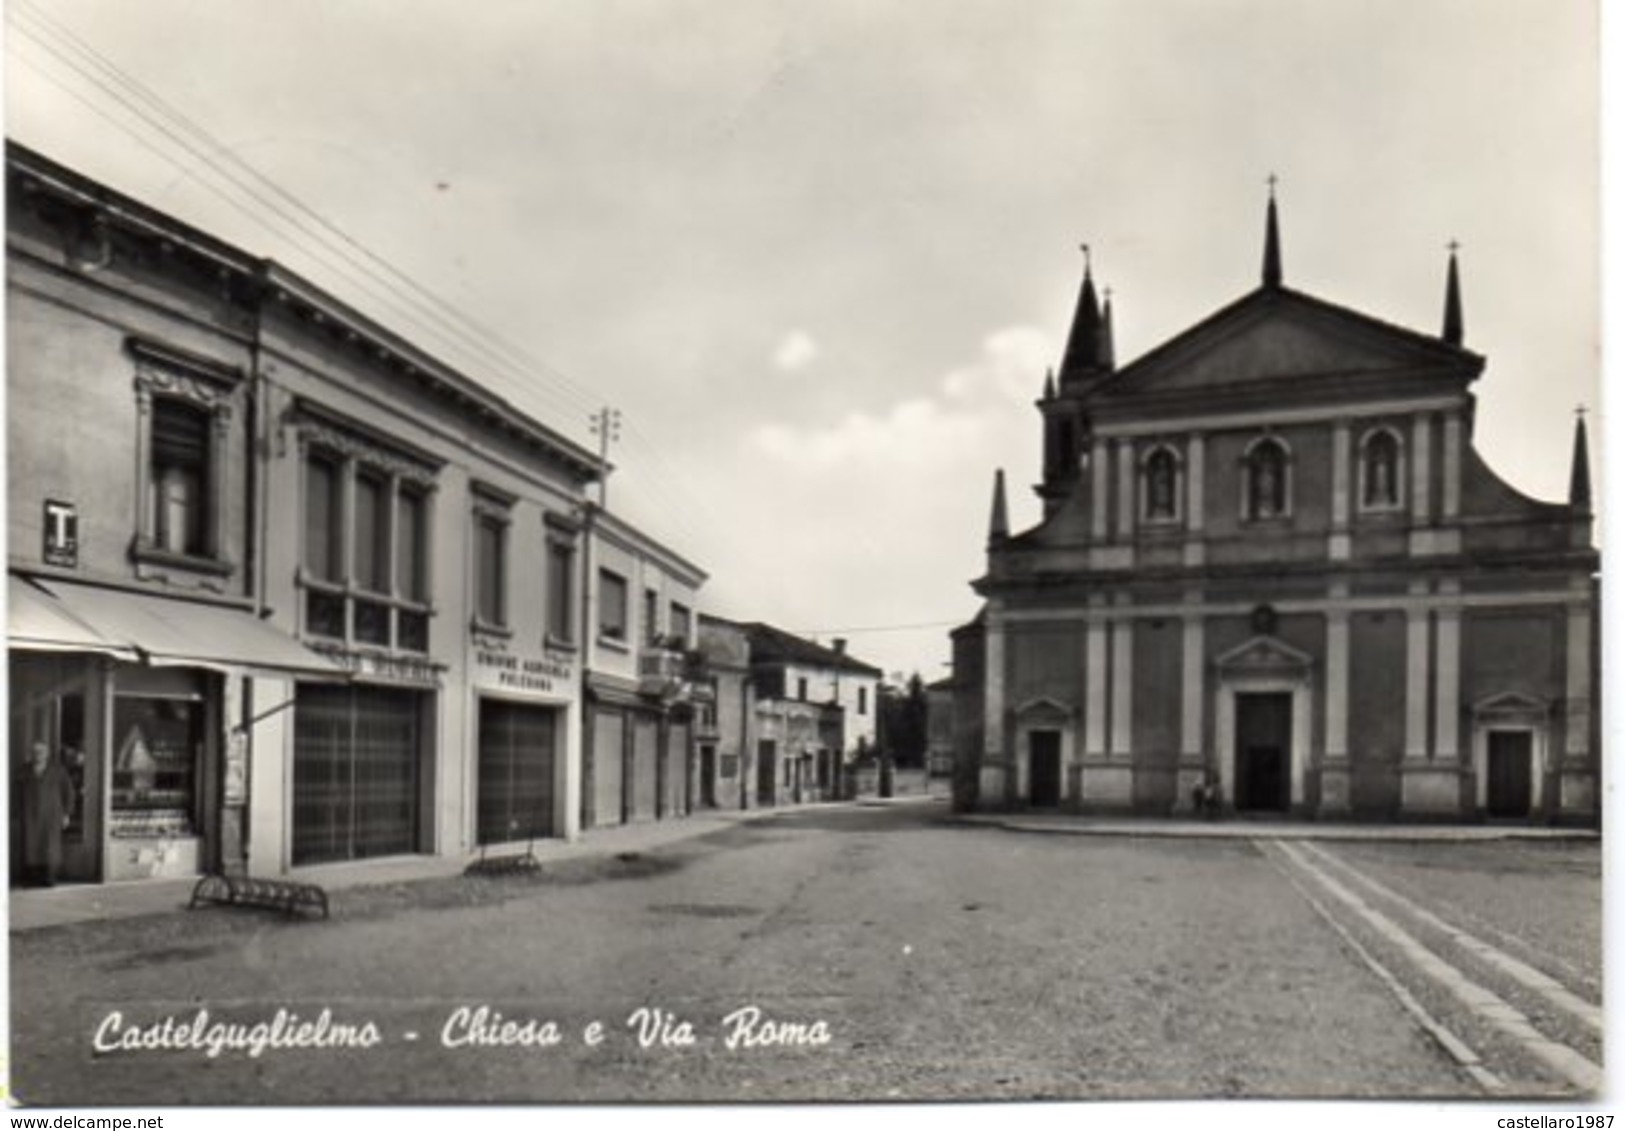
(1272, 563)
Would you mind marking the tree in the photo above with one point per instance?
(903, 722)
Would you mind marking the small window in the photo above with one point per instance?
(409, 552)
(1266, 471)
(1379, 471)
(179, 478)
(323, 542)
(371, 534)
(490, 570)
(680, 622)
(611, 605)
(863, 700)
(561, 591)
(801, 688)
(651, 616)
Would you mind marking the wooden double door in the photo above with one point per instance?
(1263, 781)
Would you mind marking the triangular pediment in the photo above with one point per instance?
(1263, 654)
(1281, 335)
(1044, 707)
(1509, 703)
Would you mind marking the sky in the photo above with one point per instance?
(820, 253)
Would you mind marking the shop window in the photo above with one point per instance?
(611, 605)
(1380, 471)
(1266, 475)
(157, 748)
(364, 563)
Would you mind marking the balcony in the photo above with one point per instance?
(669, 672)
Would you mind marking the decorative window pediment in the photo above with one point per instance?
(1044, 708)
(356, 446)
(1511, 705)
(1265, 655)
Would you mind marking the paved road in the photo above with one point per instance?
(898, 955)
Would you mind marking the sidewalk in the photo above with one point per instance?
(34, 908)
(1250, 829)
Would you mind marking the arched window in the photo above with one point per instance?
(1379, 470)
(1266, 469)
(1160, 485)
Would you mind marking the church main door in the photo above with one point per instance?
(1044, 768)
(1509, 792)
(1263, 752)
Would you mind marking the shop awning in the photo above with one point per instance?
(167, 632)
(37, 621)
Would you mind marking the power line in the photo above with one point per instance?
(398, 287)
(203, 146)
(882, 628)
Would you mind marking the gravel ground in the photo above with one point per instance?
(943, 961)
(1438, 879)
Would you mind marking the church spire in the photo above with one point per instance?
(1049, 384)
(998, 527)
(1083, 344)
(1272, 243)
(1452, 301)
(1580, 473)
(1108, 347)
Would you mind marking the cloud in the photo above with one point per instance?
(971, 402)
(796, 351)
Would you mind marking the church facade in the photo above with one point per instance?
(1272, 564)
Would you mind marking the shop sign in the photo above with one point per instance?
(522, 673)
(235, 786)
(396, 669)
(61, 534)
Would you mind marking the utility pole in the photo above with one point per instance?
(606, 425)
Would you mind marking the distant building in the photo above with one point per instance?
(815, 710)
(641, 677)
(725, 731)
(1270, 555)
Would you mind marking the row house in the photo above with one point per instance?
(283, 589)
(814, 711)
(641, 631)
(1272, 559)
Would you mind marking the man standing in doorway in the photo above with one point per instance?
(47, 809)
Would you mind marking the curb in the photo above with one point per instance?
(1407, 834)
(34, 910)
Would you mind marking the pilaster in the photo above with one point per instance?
(1099, 486)
(1122, 639)
(1094, 717)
